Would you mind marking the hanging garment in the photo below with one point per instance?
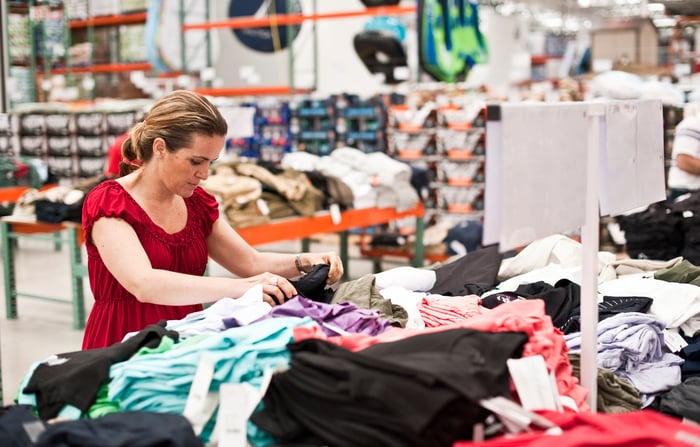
(449, 39)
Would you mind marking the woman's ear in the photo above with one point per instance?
(159, 147)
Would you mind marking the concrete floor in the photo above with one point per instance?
(44, 328)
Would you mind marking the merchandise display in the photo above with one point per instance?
(415, 332)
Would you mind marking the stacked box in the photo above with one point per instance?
(6, 147)
(360, 123)
(313, 126)
(133, 5)
(131, 43)
(76, 9)
(105, 7)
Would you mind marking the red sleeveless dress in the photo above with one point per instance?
(116, 312)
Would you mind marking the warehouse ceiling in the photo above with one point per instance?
(688, 8)
(664, 12)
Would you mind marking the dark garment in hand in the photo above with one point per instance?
(313, 285)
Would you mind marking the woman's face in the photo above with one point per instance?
(183, 169)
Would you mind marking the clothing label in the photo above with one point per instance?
(533, 383)
(55, 360)
(515, 418)
(201, 403)
(234, 411)
(33, 429)
(674, 341)
(237, 403)
(335, 214)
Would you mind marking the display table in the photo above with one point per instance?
(279, 230)
(69, 233)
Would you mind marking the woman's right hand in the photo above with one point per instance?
(276, 289)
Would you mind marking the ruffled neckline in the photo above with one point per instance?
(183, 235)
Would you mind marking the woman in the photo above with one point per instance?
(150, 232)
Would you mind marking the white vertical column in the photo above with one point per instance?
(590, 243)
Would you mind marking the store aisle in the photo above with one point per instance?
(45, 328)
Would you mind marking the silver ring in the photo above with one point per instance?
(273, 281)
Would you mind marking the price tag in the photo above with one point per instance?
(231, 422)
(533, 383)
(262, 206)
(237, 403)
(335, 214)
(201, 403)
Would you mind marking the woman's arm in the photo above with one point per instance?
(124, 256)
(232, 252)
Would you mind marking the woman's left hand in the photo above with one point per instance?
(335, 272)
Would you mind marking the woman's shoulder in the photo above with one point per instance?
(109, 198)
(203, 197)
(204, 203)
(107, 188)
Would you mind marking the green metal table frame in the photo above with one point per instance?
(12, 231)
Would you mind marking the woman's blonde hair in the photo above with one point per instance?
(175, 118)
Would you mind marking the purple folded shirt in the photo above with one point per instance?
(334, 319)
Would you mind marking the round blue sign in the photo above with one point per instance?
(266, 39)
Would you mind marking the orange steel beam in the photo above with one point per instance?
(117, 19)
(293, 19)
(13, 193)
(303, 227)
(249, 91)
(105, 68)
